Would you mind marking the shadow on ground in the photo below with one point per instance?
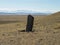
(25, 31)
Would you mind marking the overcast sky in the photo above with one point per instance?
(34, 5)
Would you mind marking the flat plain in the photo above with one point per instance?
(46, 30)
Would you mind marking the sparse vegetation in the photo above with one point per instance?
(46, 30)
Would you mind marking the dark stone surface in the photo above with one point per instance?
(30, 21)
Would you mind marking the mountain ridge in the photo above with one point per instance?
(24, 12)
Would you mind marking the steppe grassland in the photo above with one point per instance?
(46, 30)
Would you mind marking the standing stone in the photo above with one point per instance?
(30, 21)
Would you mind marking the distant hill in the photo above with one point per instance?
(22, 12)
(51, 19)
(54, 16)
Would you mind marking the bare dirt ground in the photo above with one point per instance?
(46, 30)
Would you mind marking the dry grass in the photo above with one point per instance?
(47, 30)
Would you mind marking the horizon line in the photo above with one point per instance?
(34, 10)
